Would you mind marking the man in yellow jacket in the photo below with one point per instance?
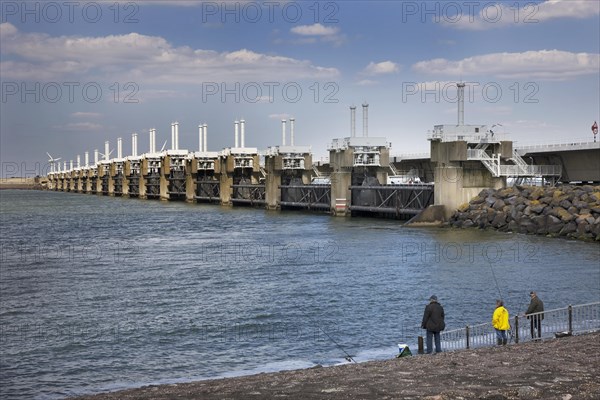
(500, 323)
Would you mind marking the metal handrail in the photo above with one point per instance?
(409, 156)
(582, 318)
(556, 143)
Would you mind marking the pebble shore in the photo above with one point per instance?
(565, 368)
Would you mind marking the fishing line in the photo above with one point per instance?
(495, 280)
(510, 333)
(348, 356)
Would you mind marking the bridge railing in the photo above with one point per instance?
(583, 318)
(530, 170)
(467, 137)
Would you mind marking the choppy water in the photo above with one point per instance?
(105, 293)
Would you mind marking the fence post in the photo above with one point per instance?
(570, 319)
(420, 345)
(516, 329)
(467, 331)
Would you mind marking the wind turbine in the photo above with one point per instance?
(106, 156)
(52, 160)
(493, 126)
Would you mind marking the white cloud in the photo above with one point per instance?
(366, 82)
(499, 15)
(279, 116)
(80, 127)
(568, 9)
(7, 29)
(384, 67)
(316, 33)
(542, 64)
(314, 30)
(142, 59)
(83, 114)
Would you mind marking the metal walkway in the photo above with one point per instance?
(519, 167)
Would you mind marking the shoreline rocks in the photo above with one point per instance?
(563, 211)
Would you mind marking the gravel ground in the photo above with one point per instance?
(565, 368)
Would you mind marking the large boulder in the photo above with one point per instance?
(536, 193)
(499, 220)
(490, 200)
(580, 204)
(537, 208)
(568, 228)
(477, 200)
(554, 224)
(513, 226)
(468, 223)
(546, 200)
(564, 215)
(498, 204)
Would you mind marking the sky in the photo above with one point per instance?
(77, 74)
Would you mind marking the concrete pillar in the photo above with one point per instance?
(77, 182)
(111, 182)
(341, 178)
(226, 179)
(88, 186)
(384, 162)
(307, 174)
(126, 166)
(272, 182)
(142, 180)
(191, 172)
(340, 194)
(164, 175)
(164, 187)
(99, 181)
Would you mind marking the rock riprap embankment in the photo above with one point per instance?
(568, 211)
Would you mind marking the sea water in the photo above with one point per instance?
(104, 293)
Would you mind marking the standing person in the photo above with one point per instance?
(500, 323)
(535, 306)
(433, 322)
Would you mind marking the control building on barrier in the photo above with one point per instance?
(469, 158)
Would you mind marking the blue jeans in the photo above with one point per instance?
(501, 335)
(438, 345)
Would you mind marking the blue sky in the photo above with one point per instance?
(533, 68)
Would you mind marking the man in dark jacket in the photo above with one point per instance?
(433, 322)
(535, 306)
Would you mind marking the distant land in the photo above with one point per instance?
(22, 183)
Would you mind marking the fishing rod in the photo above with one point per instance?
(500, 294)
(348, 356)
(495, 280)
